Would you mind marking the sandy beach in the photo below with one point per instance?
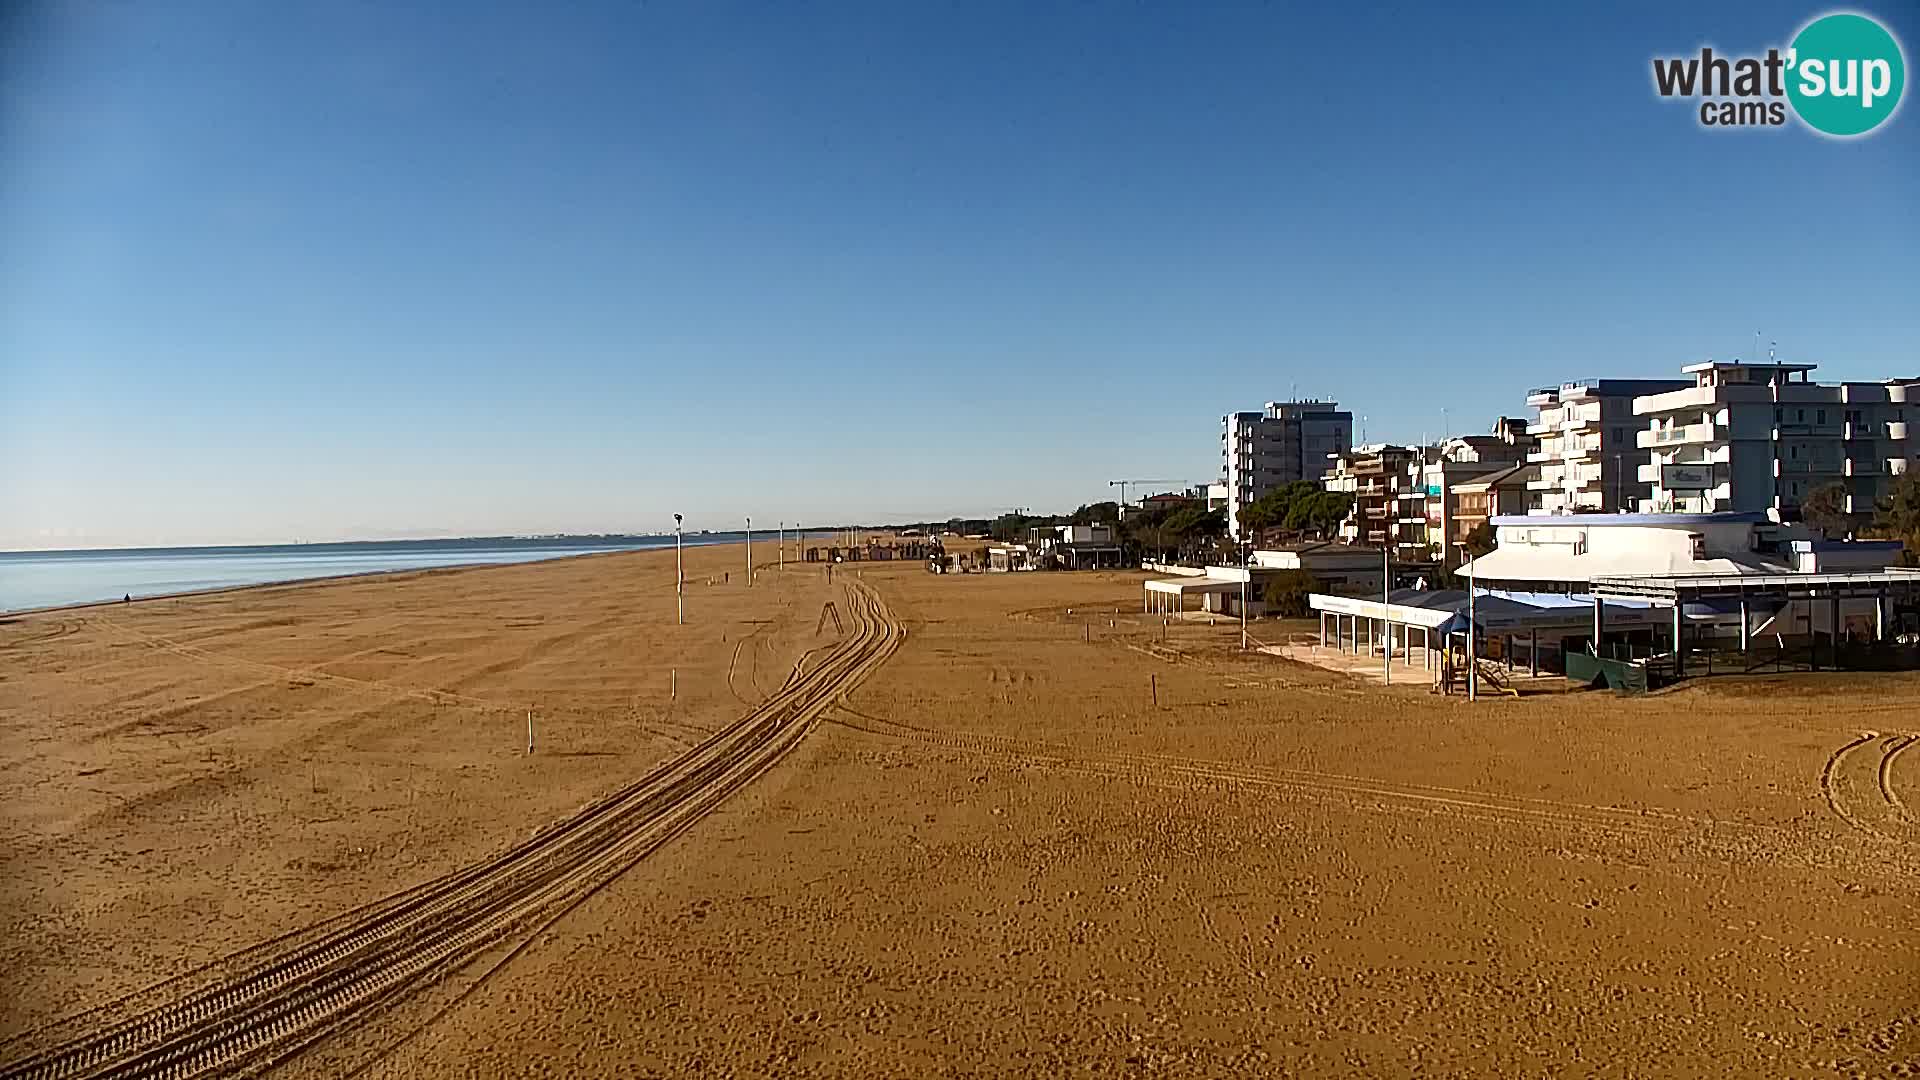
(997, 855)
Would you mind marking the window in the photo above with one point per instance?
(1820, 416)
(1799, 416)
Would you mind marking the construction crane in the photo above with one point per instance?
(1122, 485)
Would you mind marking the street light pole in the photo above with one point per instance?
(1386, 612)
(1473, 649)
(1246, 571)
(679, 578)
(749, 552)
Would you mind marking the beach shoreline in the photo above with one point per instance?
(334, 579)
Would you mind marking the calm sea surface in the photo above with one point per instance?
(32, 579)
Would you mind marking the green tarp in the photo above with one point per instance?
(1619, 675)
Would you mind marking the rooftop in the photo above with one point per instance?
(1547, 521)
(1727, 365)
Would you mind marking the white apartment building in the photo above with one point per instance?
(1588, 454)
(1423, 526)
(1289, 441)
(1762, 437)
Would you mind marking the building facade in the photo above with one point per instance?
(1589, 454)
(1375, 476)
(1406, 496)
(1483, 498)
(1433, 532)
(1763, 437)
(1288, 441)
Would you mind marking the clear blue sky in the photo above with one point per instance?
(348, 269)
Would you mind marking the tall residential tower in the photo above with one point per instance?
(1290, 440)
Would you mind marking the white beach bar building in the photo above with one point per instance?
(1588, 581)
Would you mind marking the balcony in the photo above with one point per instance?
(1804, 467)
(1680, 434)
(1805, 430)
(1865, 467)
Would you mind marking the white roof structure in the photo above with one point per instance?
(1576, 548)
(1523, 564)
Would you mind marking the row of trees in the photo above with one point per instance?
(1159, 531)
(1307, 511)
(1302, 507)
(1896, 518)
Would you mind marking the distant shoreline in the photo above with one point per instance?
(437, 543)
(709, 540)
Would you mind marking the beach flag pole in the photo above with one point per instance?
(749, 552)
(679, 578)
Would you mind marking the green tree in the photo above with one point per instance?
(1100, 513)
(1479, 540)
(1287, 593)
(1899, 514)
(1825, 508)
(1282, 508)
(1329, 509)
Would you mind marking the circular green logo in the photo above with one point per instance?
(1845, 74)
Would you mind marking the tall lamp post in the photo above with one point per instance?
(1473, 645)
(1386, 612)
(749, 552)
(679, 578)
(1246, 572)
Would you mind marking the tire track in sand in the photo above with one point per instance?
(1887, 790)
(265, 1006)
(1860, 790)
(1734, 839)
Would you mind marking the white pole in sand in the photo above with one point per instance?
(1386, 610)
(1473, 649)
(679, 578)
(529, 731)
(749, 552)
(1246, 556)
(783, 545)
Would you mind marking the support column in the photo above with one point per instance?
(1679, 658)
(1746, 625)
(1833, 626)
(1599, 621)
(1533, 652)
(1323, 629)
(1880, 616)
